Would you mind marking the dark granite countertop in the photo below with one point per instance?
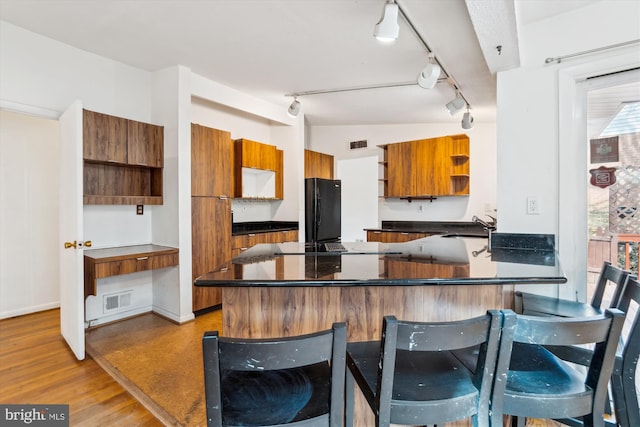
(435, 260)
(433, 227)
(239, 228)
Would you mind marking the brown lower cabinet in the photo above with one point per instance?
(210, 244)
(242, 242)
(394, 236)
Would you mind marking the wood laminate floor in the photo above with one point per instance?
(37, 367)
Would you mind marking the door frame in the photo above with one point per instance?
(572, 159)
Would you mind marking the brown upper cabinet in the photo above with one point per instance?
(427, 167)
(112, 139)
(145, 144)
(211, 165)
(123, 161)
(104, 137)
(255, 155)
(259, 170)
(318, 165)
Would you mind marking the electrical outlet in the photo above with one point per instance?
(533, 206)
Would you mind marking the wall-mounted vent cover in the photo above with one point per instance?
(358, 144)
(116, 301)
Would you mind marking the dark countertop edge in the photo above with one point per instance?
(254, 227)
(380, 282)
(438, 227)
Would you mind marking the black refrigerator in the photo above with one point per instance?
(322, 210)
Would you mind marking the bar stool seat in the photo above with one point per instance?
(411, 377)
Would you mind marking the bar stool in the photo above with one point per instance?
(539, 305)
(623, 387)
(410, 377)
(296, 381)
(538, 384)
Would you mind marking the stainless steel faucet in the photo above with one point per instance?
(490, 227)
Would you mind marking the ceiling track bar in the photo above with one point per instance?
(449, 78)
(559, 59)
(354, 88)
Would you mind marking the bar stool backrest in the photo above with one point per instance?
(284, 381)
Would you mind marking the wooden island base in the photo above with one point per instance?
(261, 312)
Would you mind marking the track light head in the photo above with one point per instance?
(456, 104)
(467, 120)
(428, 77)
(387, 29)
(294, 108)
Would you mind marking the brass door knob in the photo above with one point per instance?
(75, 244)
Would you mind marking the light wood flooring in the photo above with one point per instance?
(37, 367)
(165, 375)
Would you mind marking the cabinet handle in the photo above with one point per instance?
(142, 258)
(252, 235)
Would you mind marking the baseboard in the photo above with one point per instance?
(172, 317)
(28, 310)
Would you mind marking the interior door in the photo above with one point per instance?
(71, 243)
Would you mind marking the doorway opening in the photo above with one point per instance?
(613, 174)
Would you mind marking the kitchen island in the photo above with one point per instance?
(289, 289)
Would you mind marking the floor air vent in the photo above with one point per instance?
(117, 301)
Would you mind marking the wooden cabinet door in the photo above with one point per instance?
(211, 244)
(318, 165)
(145, 144)
(401, 177)
(211, 164)
(433, 164)
(279, 174)
(256, 155)
(104, 137)
(394, 236)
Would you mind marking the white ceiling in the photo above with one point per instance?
(270, 48)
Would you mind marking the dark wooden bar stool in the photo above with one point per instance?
(623, 385)
(538, 384)
(539, 305)
(294, 381)
(410, 377)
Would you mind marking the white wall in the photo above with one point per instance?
(43, 76)
(28, 214)
(542, 127)
(38, 73)
(482, 199)
(359, 203)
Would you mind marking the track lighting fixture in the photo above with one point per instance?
(467, 120)
(294, 108)
(456, 104)
(428, 77)
(386, 31)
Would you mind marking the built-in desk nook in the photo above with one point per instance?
(100, 263)
(288, 289)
